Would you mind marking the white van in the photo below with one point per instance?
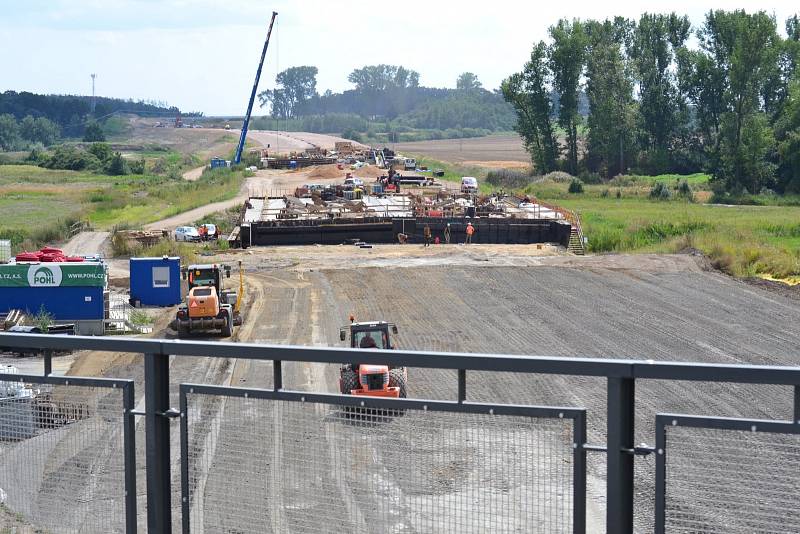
(469, 184)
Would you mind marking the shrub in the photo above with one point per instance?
(558, 177)
(660, 191)
(116, 165)
(605, 193)
(685, 190)
(590, 178)
(101, 151)
(509, 178)
(71, 159)
(137, 166)
(575, 186)
(619, 193)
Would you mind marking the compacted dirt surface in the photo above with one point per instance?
(287, 467)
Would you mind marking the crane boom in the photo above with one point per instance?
(238, 157)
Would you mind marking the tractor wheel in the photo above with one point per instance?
(227, 328)
(397, 379)
(348, 381)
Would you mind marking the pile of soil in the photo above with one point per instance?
(326, 171)
(370, 171)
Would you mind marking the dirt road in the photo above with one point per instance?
(194, 174)
(86, 243)
(262, 183)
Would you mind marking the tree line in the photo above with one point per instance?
(70, 112)
(390, 94)
(729, 106)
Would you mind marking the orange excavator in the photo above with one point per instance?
(368, 379)
(209, 307)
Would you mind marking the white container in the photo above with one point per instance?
(5, 250)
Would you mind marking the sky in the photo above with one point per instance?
(201, 55)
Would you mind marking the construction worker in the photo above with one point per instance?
(470, 231)
(368, 342)
(447, 234)
(426, 232)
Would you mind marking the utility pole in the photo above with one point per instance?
(94, 98)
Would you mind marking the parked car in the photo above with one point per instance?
(469, 184)
(187, 233)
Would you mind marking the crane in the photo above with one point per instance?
(238, 157)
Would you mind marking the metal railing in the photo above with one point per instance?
(268, 417)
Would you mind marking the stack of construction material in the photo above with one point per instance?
(47, 255)
(145, 237)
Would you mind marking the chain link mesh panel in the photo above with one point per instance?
(264, 466)
(731, 481)
(62, 467)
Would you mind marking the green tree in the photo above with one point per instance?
(612, 110)
(527, 92)
(787, 131)
(737, 57)
(467, 81)
(382, 77)
(295, 85)
(46, 131)
(662, 110)
(567, 54)
(93, 132)
(9, 132)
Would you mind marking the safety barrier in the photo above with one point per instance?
(256, 460)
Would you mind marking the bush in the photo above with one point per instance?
(605, 193)
(558, 177)
(660, 191)
(685, 190)
(71, 159)
(575, 186)
(101, 151)
(509, 178)
(116, 165)
(590, 178)
(619, 193)
(137, 166)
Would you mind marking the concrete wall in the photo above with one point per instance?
(382, 230)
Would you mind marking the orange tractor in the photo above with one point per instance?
(367, 379)
(209, 306)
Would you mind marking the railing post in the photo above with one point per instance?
(156, 382)
(797, 404)
(462, 385)
(619, 499)
(48, 362)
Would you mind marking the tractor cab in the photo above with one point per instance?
(369, 335)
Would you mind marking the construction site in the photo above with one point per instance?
(378, 349)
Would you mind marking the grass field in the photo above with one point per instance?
(740, 240)
(38, 204)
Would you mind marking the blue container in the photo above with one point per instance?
(218, 163)
(155, 281)
(293, 164)
(63, 303)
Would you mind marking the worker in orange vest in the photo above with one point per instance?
(470, 231)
